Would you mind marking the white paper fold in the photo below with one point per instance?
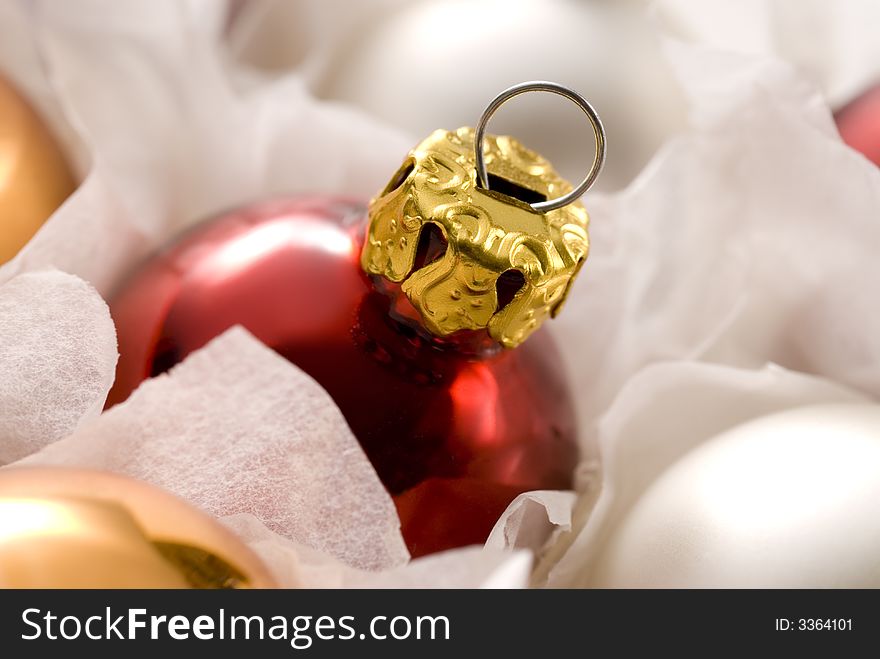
(172, 142)
(235, 429)
(833, 44)
(470, 567)
(22, 63)
(749, 239)
(57, 359)
(294, 564)
(531, 518)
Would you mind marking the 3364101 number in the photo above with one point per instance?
(824, 624)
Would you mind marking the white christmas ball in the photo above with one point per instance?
(437, 63)
(790, 500)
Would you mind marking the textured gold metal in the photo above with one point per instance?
(488, 233)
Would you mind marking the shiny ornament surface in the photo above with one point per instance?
(785, 501)
(859, 124)
(35, 178)
(75, 528)
(455, 426)
(430, 64)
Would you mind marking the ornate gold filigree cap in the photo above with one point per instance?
(502, 210)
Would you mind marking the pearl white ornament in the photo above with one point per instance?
(437, 63)
(790, 500)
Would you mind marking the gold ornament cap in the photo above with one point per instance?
(502, 210)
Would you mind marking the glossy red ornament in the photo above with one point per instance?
(455, 427)
(859, 124)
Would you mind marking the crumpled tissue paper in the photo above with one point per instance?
(235, 428)
(296, 565)
(831, 43)
(736, 276)
(57, 359)
(172, 141)
(747, 241)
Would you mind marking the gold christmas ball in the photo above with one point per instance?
(35, 177)
(75, 528)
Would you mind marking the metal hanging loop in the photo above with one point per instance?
(553, 88)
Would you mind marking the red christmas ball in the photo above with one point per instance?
(455, 427)
(859, 124)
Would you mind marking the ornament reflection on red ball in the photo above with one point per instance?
(407, 313)
(859, 124)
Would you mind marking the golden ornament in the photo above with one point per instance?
(35, 177)
(74, 528)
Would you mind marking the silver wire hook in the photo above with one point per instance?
(553, 88)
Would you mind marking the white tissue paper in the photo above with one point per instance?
(57, 359)
(292, 564)
(531, 518)
(297, 565)
(470, 567)
(749, 240)
(833, 44)
(172, 142)
(21, 63)
(237, 429)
